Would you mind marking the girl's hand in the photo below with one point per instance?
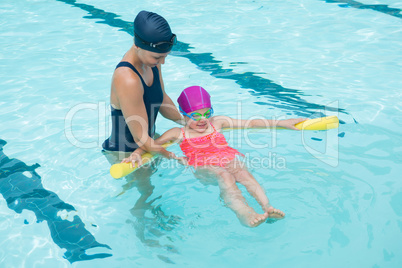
(182, 160)
(290, 123)
(135, 157)
(169, 155)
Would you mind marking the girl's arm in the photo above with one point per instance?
(171, 135)
(227, 122)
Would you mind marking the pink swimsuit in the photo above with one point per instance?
(211, 149)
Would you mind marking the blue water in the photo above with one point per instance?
(340, 189)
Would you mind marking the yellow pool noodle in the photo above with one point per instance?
(123, 169)
(323, 123)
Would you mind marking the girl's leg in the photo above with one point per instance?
(234, 199)
(245, 178)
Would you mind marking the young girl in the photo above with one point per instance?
(208, 152)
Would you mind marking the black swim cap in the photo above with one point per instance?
(152, 32)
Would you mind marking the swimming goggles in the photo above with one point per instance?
(163, 46)
(197, 116)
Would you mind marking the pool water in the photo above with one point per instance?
(340, 189)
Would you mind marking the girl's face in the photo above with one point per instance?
(201, 125)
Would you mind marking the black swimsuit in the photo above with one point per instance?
(121, 138)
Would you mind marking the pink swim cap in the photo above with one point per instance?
(194, 98)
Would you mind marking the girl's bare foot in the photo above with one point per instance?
(252, 219)
(273, 213)
(256, 219)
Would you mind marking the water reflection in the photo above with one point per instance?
(276, 95)
(151, 224)
(22, 189)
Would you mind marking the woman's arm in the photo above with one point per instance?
(129, 92)
(172, 135)
(168, 109)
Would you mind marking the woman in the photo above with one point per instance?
(137, 91)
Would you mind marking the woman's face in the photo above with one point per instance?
(152, 59)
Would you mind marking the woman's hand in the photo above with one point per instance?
(135, 157)
(290, 123)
